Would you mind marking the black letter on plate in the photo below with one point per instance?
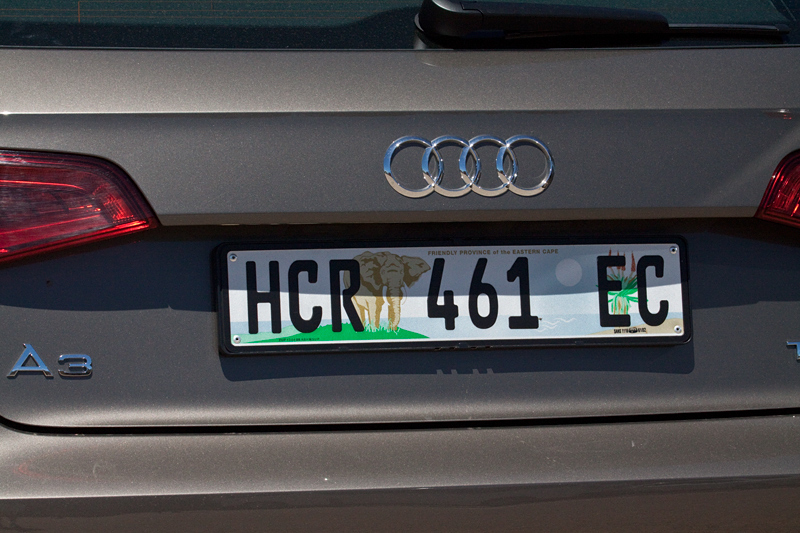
(519, 270)
(641, 272)
(302, 325)
(448, 310)
(476, 288)
(273, 297)
(352, 266)
(604, 262)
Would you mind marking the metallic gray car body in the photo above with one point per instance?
(291, 143)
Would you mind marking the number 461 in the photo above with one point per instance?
(449, 310)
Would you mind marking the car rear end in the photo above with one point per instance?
(175, 212)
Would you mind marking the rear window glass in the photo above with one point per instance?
(302, 24)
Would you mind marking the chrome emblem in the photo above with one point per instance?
(471, 178)
(796, 346)
(78, 365)
(38, 365)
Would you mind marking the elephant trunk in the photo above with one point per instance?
(393, 296)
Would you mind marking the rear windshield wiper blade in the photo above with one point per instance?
(451, 21)
(733, 30)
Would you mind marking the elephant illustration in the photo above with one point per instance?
(384, 271)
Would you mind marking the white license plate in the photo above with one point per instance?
(378, 296)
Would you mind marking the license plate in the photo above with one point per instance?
(377, 296)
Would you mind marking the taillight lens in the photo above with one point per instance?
(781, 202)
(50, 201)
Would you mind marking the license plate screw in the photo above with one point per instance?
(673, 249)
(232, 257)
(678, 329)
(237, 339)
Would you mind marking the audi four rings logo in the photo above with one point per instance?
(471, 178)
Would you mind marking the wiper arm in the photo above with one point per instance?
(454, 21)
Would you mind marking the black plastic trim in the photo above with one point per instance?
(227, 348)
(398, 426)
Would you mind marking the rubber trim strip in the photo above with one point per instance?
(395, 426)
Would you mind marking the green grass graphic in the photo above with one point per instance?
(326, 333)
(621, 300)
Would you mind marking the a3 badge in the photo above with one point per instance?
(29, 362)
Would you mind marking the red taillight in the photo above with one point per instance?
(50, 201)
(781, 202)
